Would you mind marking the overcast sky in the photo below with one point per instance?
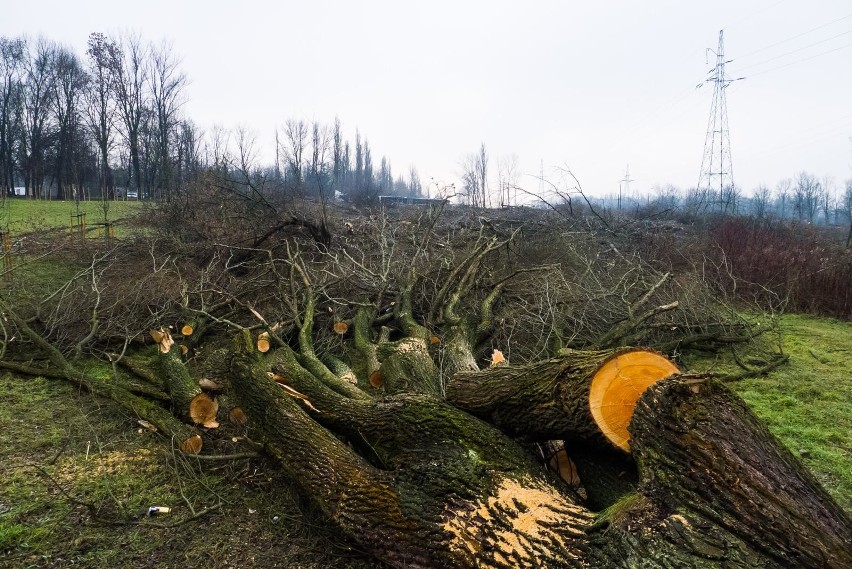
(591, 86)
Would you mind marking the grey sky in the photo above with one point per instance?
(589, 85)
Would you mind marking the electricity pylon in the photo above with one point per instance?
(717, 170)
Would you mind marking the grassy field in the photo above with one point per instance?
(25, 215)
(808, 402)
(78, 473)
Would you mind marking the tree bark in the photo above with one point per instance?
(439, 487)
(419, 483)
(704, 455)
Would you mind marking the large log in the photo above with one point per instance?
(432, 486)
(584, 397)
(419, 483)
(703, 455)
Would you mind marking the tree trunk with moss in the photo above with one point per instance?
(421, 483)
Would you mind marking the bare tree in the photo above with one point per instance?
(783, 197)
(296, 145)
(167, 83)
(475, 178)
(68, 88)
(847, 210)
(358, 173)
(415, 186)
(760, 201)
(189, 160)
(12, 57)
(130, 78)
(320, 148)
(666, 198)
(337, 155)
(731, 197)
(827, 198)
(101, 105)
(367, 186)
(507, 172)
(38, 84)
(697, 201)
(806, 196)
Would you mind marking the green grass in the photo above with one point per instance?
(78, 473)
(24, 215)
(808, 403)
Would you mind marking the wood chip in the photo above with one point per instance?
(497, 358)
(292, 392)
(257, 315)
(209, 384)
(163, 338)
(146, 425)
(277, 378)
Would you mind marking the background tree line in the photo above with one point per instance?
(111, 123)
(804, 197)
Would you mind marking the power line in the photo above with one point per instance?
(801, 60)
(794, 51)
(795, 36)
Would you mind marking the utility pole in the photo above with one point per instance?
(626, 181)
(717, 169)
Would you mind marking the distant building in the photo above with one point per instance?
(389, 200)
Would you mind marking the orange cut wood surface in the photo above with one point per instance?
(263, 344)
(617, 386)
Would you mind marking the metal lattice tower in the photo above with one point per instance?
(717, 170)
(625, 185)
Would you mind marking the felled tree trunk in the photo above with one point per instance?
(727, 486)
(419, 483)
(431, 486)
(584, 397)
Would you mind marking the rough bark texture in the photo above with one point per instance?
(179, 384)
(441, 488)
(542, 401)
(419, 483)
(703, 453)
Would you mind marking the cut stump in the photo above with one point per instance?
(617, 386)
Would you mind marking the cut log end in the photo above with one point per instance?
(617, 386)
(263, 343)
(376, 379)
(192, 445)
(203, 409)
(237, 416)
